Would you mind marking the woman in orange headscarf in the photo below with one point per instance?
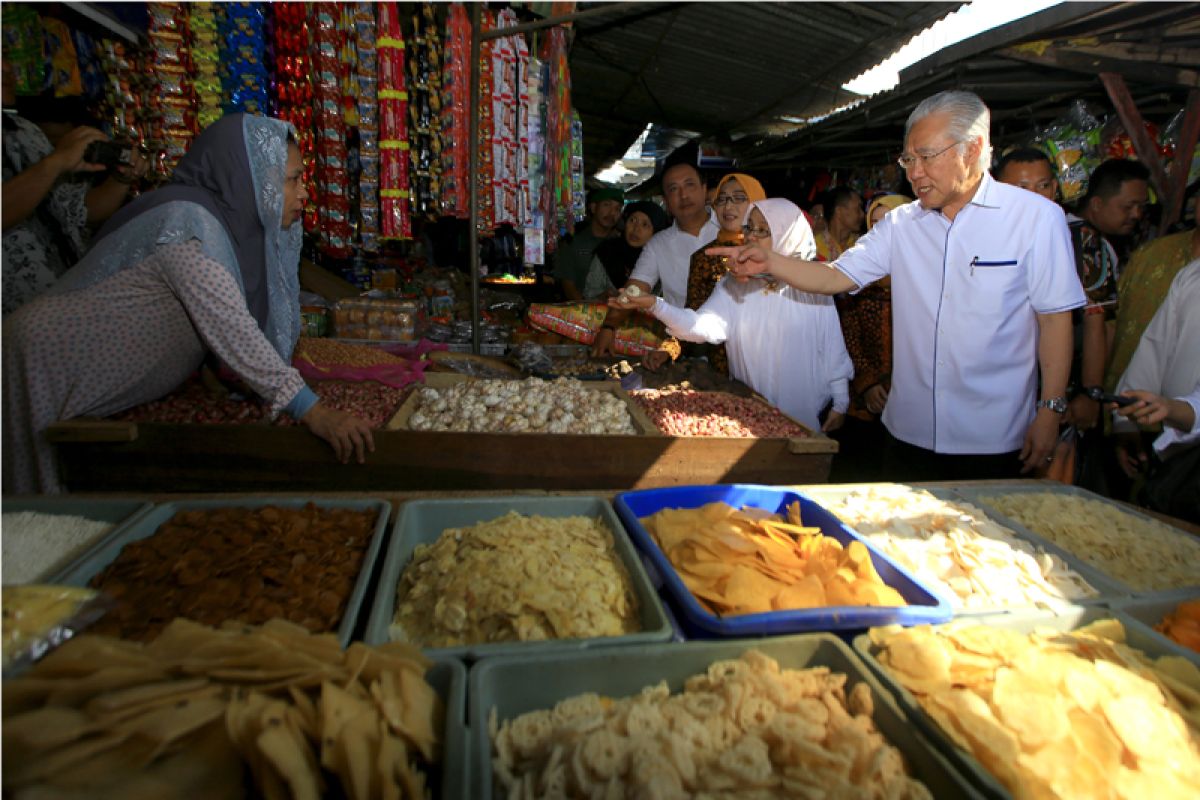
(735, 192)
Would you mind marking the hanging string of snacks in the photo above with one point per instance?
(424, 113)
(205, 61)
(367, 91)
(456, 109)
(173, 120)
(486, 110)
(243, 44)
(395, 220)
(505, 142)
(333, 204)
(292, 92)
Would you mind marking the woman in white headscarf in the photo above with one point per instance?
(785, 344)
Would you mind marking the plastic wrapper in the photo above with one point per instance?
(1169, 144)
(378, 319)
(38, 618)
(394, 183)
(532, 357)
(1073, 144)
(579, 322)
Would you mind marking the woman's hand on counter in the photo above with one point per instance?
(347, 434)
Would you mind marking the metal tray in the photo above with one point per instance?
(422, 522)
(1148, 611)
(1107, 588)
(448, 678)
(975, 494)
(515, 685)
(91, 563)
(119, 513)
(1136, 635)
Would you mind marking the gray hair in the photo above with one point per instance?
(969, 118)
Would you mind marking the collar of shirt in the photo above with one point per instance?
(984, 197)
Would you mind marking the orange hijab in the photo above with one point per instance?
(753, 189)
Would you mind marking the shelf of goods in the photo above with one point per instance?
(108, 455)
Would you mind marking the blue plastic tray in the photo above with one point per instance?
(514, 685)
(422, 522)
(106, 551)
(925, 605)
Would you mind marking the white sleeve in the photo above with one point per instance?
(1173, 436)
(868, 260)
(647, 268)
(710, 323)
(1146, 367)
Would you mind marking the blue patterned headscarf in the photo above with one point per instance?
(238, 225)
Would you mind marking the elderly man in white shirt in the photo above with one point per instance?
(983, 282)
(667, 256)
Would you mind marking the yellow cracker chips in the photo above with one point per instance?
(751, 561)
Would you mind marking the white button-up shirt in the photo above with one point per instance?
(667, 257)
(965, 298)
(1167, 359)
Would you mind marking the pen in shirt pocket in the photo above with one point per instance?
(974, 261)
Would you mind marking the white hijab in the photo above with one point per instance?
(791, 235)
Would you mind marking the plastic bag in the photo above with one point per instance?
(1073, 144)
(1169, 144)
(531, 357)
(38, 618)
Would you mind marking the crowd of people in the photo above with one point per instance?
(973, 328)
(980, 329)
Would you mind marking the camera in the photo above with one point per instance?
(110, 154)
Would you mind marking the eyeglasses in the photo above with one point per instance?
(907, 162)
(755, 233)
(726, 199)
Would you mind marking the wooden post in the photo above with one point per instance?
(473, 235)
(1184, 150)
(1135, 126)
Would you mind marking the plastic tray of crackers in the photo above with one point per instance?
(954, 546)
(569, 721)
(1135, 551)
(1046, 704)
(767, 576)
(240, 559)
(491, 576)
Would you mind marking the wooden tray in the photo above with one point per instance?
(444, 380)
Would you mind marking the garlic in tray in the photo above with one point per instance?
(532, 405)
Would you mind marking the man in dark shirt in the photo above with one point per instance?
(574, 255)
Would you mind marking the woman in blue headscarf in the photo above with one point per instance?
(208, 263)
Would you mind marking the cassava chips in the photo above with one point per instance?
(179, 716)
(1056, 715)
(515, 578)
(750, 561)
(1140, 552)
(955, 548)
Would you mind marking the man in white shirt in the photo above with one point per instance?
(1164, 377)
(983, 282)
(666, 257)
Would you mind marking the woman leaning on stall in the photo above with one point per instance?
(208, 263)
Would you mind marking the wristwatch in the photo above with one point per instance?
(1056, 404)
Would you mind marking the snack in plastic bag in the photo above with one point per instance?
(38, 618)
(1073, 143)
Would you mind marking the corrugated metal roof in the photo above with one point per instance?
(1155, 45)
(726, 68)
